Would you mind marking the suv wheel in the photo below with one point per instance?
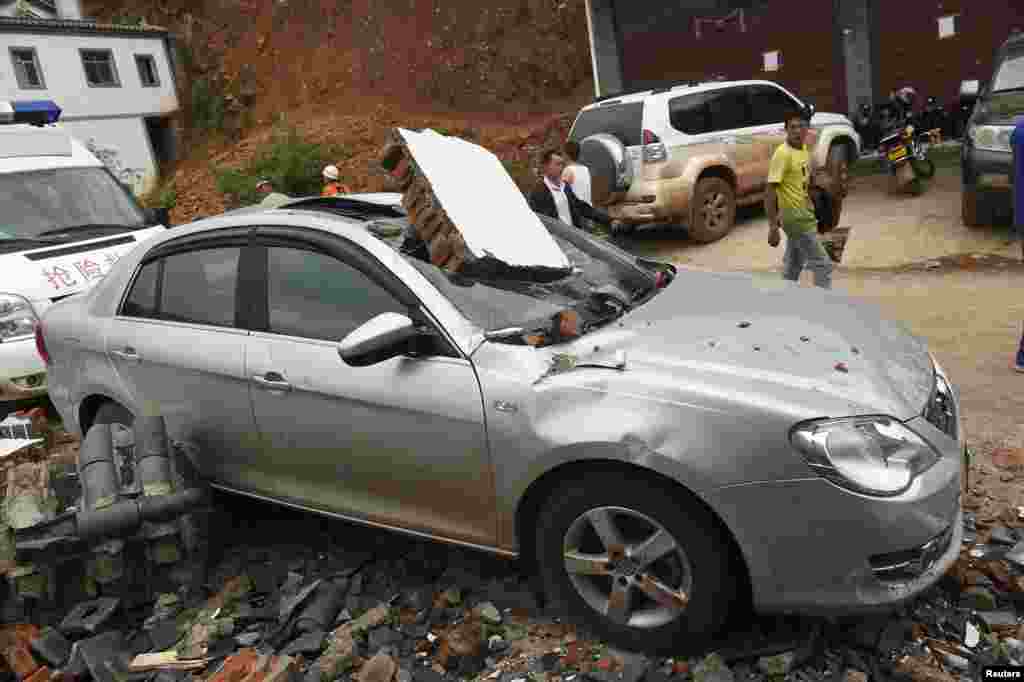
(641, 565)
(838, 168)
(714, 210)
(975, 213)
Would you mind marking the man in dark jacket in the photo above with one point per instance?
(555, 199)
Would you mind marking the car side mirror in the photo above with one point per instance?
(381, 338)
(811, 110)
(158, 216)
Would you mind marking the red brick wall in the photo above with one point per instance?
(801, 30)
(911, 53)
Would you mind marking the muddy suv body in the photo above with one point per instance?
(691, 154)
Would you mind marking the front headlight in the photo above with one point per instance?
(991, 138)
(17, 318)
(871, 455)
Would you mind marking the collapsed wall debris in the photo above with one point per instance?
(468, 212)
(141, 508)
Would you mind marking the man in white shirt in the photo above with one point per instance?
(576, 174)
(556, 199)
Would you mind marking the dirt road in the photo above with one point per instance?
(887, 231)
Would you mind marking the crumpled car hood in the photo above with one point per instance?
(768, 339)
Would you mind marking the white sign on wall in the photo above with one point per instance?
(772, 60)
(947, 26)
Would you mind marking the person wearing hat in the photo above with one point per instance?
(271, 199)
(333, 188)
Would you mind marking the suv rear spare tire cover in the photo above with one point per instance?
(610, 169)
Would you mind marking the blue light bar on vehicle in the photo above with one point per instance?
(36, 112)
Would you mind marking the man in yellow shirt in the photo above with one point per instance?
(789, 207)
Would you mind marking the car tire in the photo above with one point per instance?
(603, 154)
(838, 167)
(973, 209)
(714, 210)
(703, 563)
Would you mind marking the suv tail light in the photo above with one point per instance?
(41, 344)
(654, 150)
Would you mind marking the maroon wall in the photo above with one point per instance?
(906, 50)
(802, 31)
(911, 53)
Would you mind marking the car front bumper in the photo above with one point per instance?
(812, 547)
(22, 372)
(987, 171)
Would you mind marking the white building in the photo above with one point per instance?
(114, 83)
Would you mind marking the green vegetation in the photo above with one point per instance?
(162, 196)
(291, 162)
(208, 105)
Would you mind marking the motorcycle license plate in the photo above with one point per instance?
(898, 153)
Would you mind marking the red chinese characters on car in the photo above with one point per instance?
(59, 277)
(90, 269)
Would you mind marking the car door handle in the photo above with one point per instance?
(128, 354)
(272, 381)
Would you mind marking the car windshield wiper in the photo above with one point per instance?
(7, 244)
(1017, 89)
(90, 227)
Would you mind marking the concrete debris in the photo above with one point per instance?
(165, 660)
(489, 613)
(713, 669)
(978, 598)
(86, 618)
(309, 643)
(380, 668)
(52, 647)
(777, 665)
(972, 635)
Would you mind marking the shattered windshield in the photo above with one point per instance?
(604, 284)
(49, 201)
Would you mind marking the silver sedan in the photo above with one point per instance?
(683, 442)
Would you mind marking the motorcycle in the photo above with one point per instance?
(934, 117)
(866, 125)
(905, 152)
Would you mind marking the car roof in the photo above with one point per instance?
(25, 147)
(681, 89)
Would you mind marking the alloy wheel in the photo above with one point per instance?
(627, 567)
(715, 206)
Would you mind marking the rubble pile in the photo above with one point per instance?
(118, 525)
(375, 607)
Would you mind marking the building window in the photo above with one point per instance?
(949, 25)
(100, 70)
(147, 70)
(772, 60)
(27, 69)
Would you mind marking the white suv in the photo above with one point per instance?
(690, 154)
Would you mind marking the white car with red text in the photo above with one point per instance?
(64, 220)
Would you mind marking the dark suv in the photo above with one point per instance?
(986, 157)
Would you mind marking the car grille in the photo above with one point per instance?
(941, 408)
(911, 563)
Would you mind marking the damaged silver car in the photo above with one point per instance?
(664, 445)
